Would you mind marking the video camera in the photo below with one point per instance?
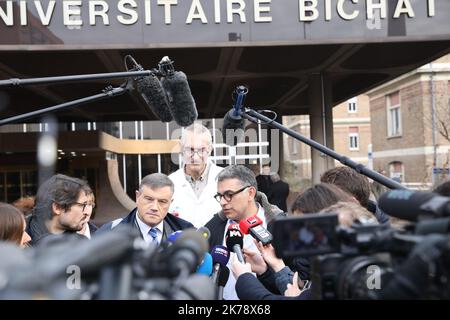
(371, 261)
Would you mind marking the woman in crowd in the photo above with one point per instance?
(12, 225)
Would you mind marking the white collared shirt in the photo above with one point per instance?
(87, 232)
(229, 291)
(145, 228)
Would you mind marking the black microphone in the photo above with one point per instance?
(235, 241)
(233, 123)
(224, 274)
(181, 102)
(152, 92)
(186, 253)
(413, 206)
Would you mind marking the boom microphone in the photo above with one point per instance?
(181, 103)
(235, 241)
(413, 206)
(152, 92)
(233, 123)
(254, 227)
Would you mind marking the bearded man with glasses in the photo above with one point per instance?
(238, 196)
(62, 206)
(195, 182)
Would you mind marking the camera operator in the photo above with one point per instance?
(356, 185)
(249, 288)
(239, 199)
(411, 279)
(312, 200)
(150, 217)
(269, 264)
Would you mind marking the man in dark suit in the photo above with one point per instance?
(264, 182)
(279, 192)
(150, 217)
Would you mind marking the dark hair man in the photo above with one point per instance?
(61, 206)
(150, 216)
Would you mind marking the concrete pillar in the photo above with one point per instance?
(321, 123)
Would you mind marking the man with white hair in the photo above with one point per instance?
(195, 182)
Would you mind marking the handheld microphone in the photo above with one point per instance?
(235, 241)
(254, 227)
(222, 281)
(206, 267)
(181, 103)
(413, 206)
(152, 92)
(233, 123)
(220, 256)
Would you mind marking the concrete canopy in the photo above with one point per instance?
(277, 76)
(272, 46)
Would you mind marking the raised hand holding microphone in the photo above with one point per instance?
(238, 267)
(269, 256)
(259, 266)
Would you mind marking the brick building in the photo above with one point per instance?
(352, 137)
(404, 141)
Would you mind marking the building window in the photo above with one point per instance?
(353, 138)
(352, 105)
(394, 115)
(397, 171)
(17, 184)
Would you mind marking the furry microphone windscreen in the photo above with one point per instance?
(153, 93)
(181, 103)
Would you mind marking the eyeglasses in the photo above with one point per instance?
(191, 151)
(84, 205)
(228, 195)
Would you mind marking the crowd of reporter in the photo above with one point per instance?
(202, 194)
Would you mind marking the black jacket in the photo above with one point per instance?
(249, 288)
(171, 224)
(279, 192)
(39, 233)
(92, 227)
(264, 184)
